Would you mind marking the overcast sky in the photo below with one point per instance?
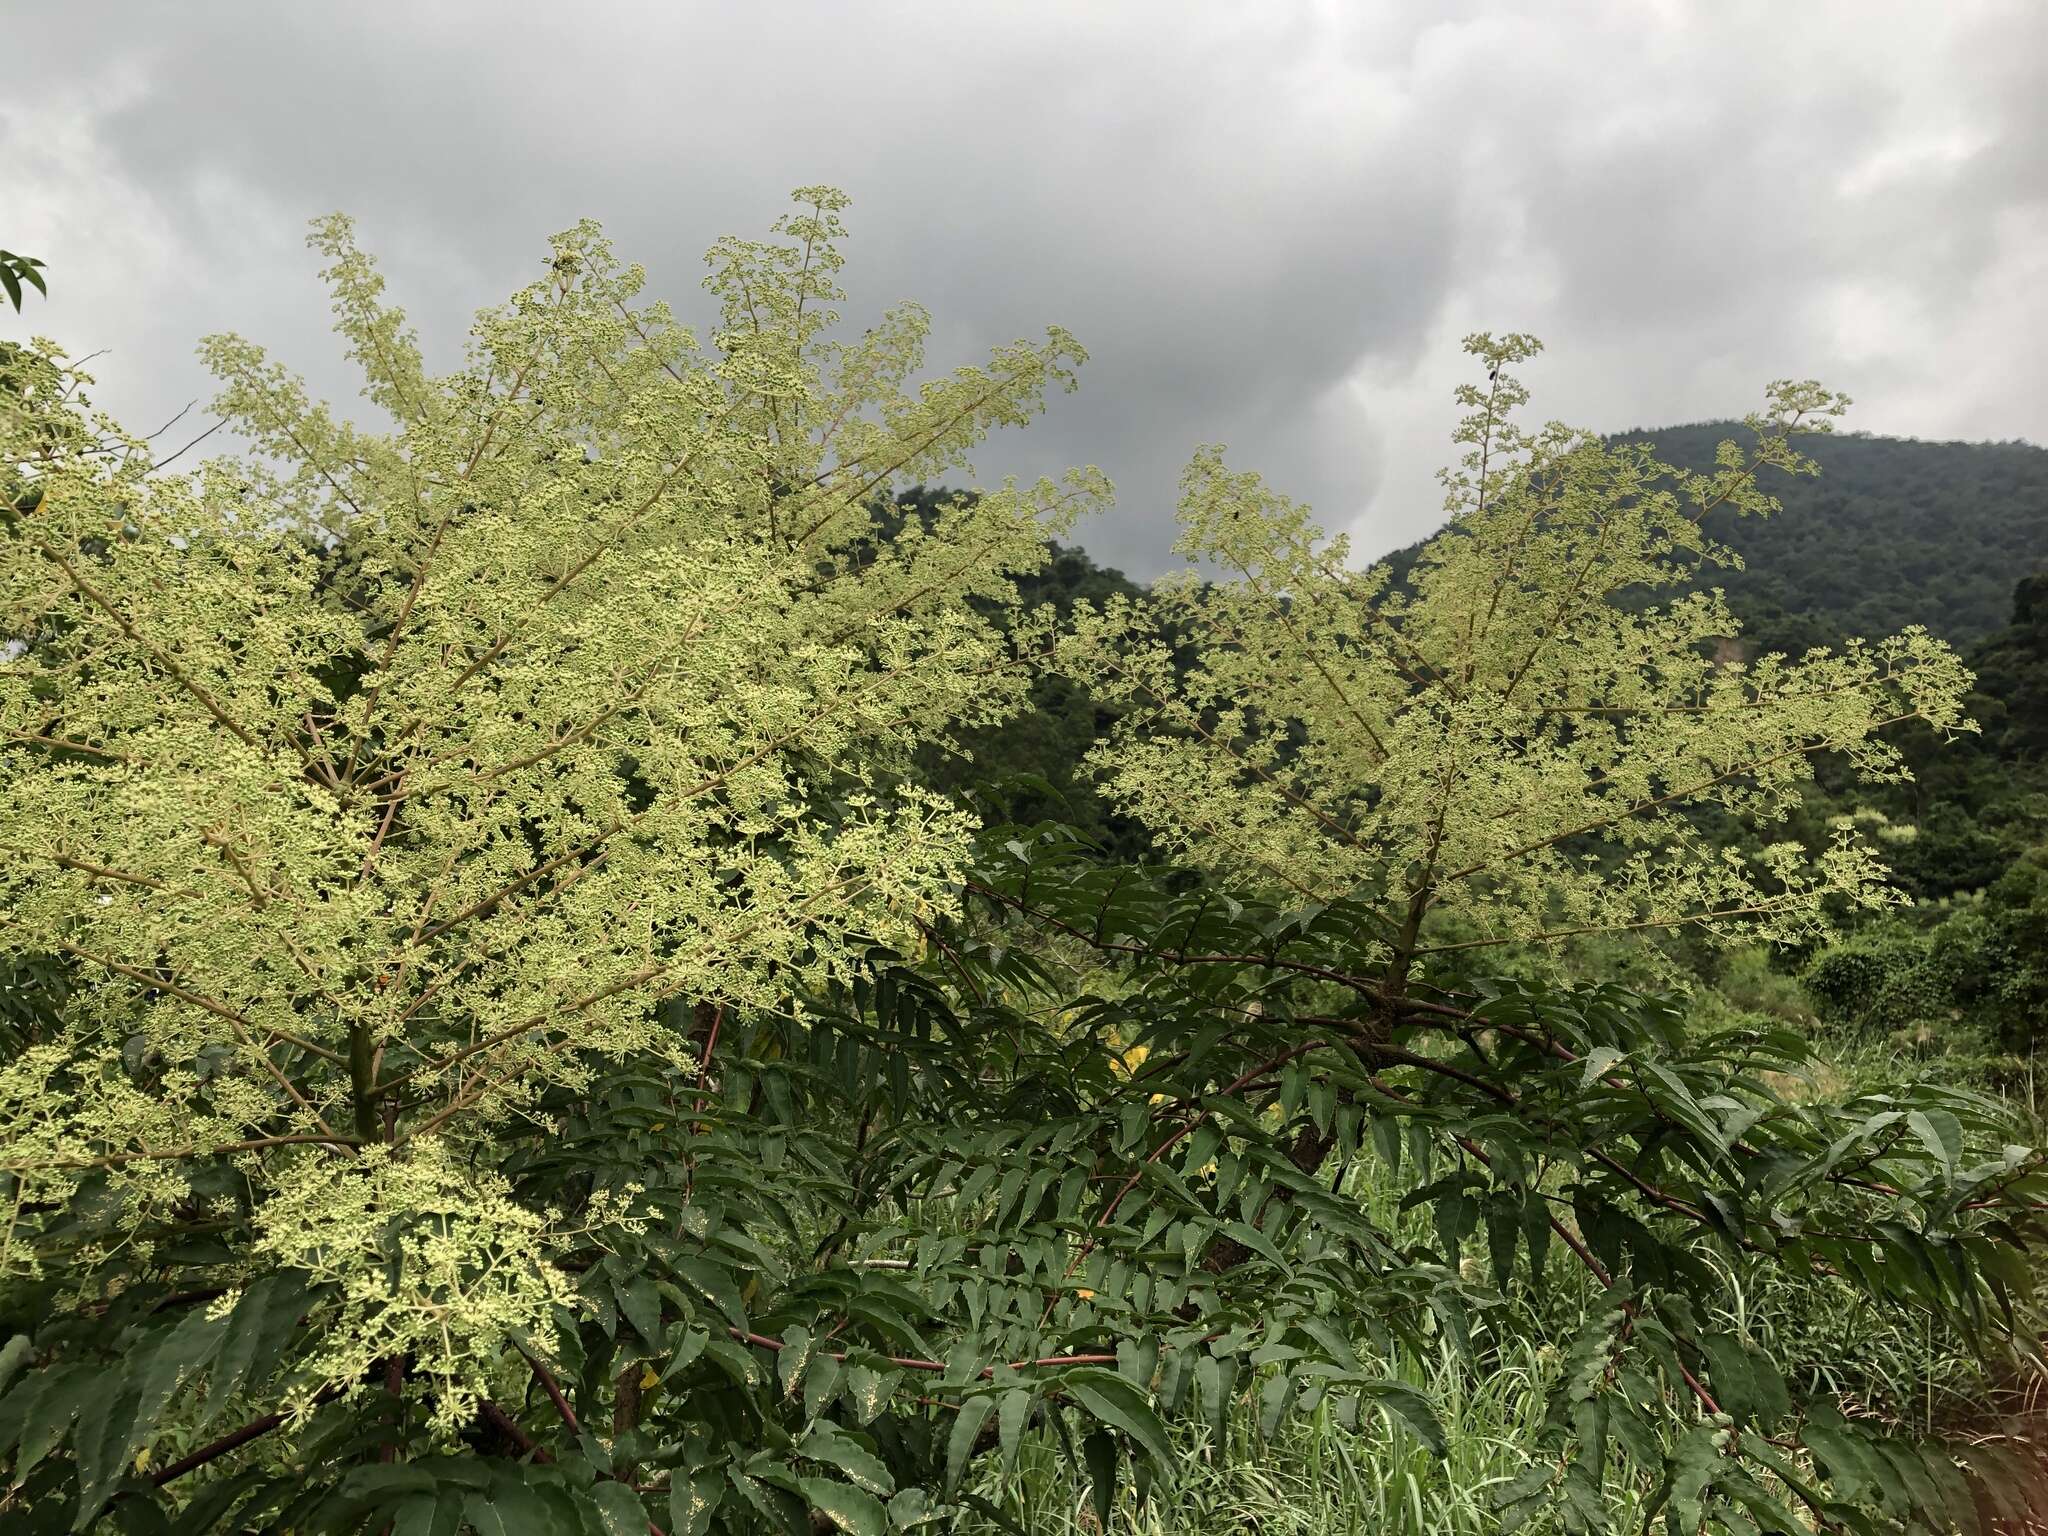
(1269, 223)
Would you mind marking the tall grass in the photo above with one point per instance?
(1314, 1477)
(1317, 1476)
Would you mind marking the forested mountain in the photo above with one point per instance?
(1893, 531)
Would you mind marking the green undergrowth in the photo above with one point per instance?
(1315, 1474)
(1324, 1473)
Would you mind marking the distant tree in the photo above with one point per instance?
(1973, 808)
(1980, 974)
(2012, 676)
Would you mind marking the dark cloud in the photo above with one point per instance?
(1269, 224)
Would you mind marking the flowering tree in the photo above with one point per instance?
(381, 790)
(1500, 745)
(1515, 747)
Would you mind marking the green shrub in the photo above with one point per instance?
(1873, 982)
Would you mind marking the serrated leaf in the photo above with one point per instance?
(1011, 1414)
(263, 1318)
(619, 1507)
(425, 1514)
(863, 1391)
(181, 1355)
(640, 1304)
(62, 1393)
(1274, 1399)
(820, 1381)
(1412, 1408)
(1941, 1134)
(716, 1285)
(1731, 1376)
(1503, 1228)
(14, 1354)
(1600, 1061)
(693, 1499)
(973, 1413)
(686, 1352)
(795, 1358)
(97, 1445)
(783, 1508)
(735, 1360)
(1251, 1237)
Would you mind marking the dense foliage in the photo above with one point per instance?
(1893, 532)
(1030, 767)
(499, 1037)
(1457, 748)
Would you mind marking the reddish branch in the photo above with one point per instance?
(219, 1448)
(553, 1389)
(717, 1012)
(235, 1439)
(508, 1426)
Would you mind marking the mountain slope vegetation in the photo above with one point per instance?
(1893, 531)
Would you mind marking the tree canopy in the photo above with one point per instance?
(1469, 744)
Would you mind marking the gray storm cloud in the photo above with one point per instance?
(1269, 224)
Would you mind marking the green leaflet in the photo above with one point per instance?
(1118, 1404)
(1409, 1407)
(967, 1423)
(1012, 1411)
(14, 1354)
(692, 1501)
(640, 1304)
(854, 1510)
(1099, 1450)
(835, 1446)
(1942, 1134)
(794, 1359)
(619, 1509)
